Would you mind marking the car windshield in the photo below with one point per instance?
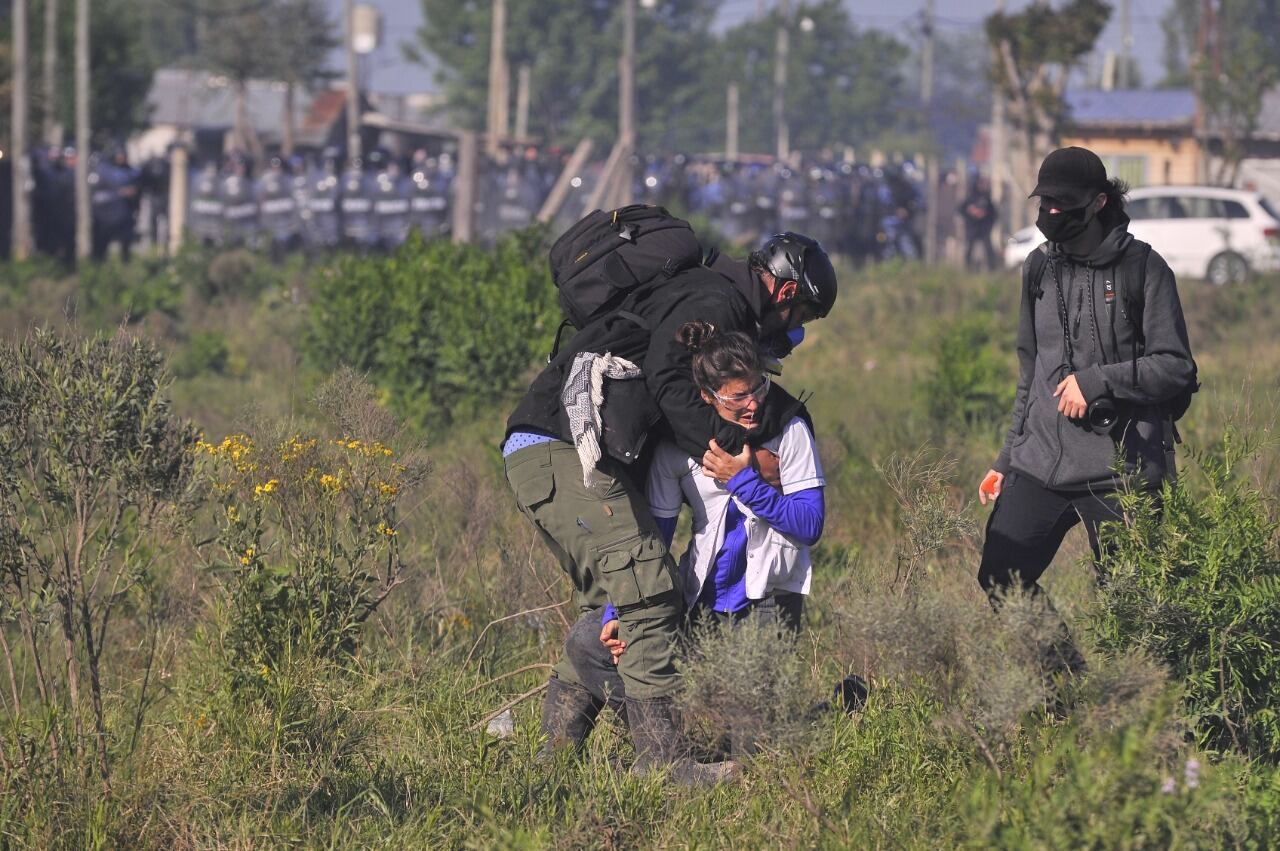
(1270, 210)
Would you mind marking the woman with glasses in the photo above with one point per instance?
(749, 554)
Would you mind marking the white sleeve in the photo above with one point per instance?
(798, 464)
(665, 496)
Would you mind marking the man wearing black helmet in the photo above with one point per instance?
(596, 519)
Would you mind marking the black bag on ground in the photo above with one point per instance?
(606, 255)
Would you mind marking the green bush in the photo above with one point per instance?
(443, 329)
(969, 385)
(307, 538)
(206, 351)
(1200, 591)
(94, 475)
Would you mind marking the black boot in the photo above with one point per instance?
(568, 716)
(660, 745)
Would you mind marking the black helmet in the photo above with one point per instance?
(795, 257)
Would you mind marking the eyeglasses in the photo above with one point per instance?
(741, 400)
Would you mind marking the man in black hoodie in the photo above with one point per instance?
(602, 532)
(1077, 347)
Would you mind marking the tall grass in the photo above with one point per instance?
(964, 742)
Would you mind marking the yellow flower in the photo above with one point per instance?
(332, 483)
(247, 558)
(387, 490)
(296, 447)
(262, 490)
(264, 671)
(233, 513)
(202, 720)
(384, 529)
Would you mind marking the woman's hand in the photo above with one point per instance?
(766, 464)
(1071, 402)
(609, 638)
(992, 484)
(722, 466)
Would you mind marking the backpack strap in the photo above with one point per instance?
(1131, 280)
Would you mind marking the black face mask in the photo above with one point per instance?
(1066, 225)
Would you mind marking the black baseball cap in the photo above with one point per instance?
(1072, 176)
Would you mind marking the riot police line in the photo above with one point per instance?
(319, 204)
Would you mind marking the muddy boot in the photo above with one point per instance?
(568, 716)
(660, 745)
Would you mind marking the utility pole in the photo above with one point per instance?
(84, 224)
(464, 199)
(781, 54)
(731, 123)
(51, 132)
(931, 158)
(523, 74)
(497, 123)
(998, 150)
(21, 243)
(622, 187)
(1126, 44)
(353, 83)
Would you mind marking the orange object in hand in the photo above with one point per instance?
(989, 484)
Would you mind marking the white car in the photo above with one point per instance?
(1220, 235)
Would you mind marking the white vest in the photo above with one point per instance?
(774, 561)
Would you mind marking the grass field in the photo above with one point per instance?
(383, 743)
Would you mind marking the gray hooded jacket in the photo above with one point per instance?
(1065, 454)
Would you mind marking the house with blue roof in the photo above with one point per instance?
(1149, 137)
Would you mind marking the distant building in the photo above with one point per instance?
(1149, 137)
(200, 107)
(1145, 137)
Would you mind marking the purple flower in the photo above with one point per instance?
(1191, 773)
(1170, 786)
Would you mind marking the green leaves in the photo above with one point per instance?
(1201, 591)
(445, 330)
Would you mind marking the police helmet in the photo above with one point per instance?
(795, 257)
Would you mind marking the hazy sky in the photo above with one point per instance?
(391, 73)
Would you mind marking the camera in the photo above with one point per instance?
(1102, 414)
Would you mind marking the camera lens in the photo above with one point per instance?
(1102, 414)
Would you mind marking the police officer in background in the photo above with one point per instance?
(322, 216)
(978, 211)
(359, 229)
(113, 196)
(277, 208)
(239, 206)
(429, 196)
(391, 205)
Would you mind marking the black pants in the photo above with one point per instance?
(1027, 526)
(979, 244)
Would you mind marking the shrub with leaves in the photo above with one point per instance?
(970, 385)
(1199, 589)
(307, 532)
(94, 466)
(446, 330)
(749, 682)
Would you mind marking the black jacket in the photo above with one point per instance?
(667, 402)
(1063, 453)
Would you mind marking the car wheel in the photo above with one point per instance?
(1227, 268)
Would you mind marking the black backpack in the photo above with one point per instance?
(1131, 279)
(607, 255)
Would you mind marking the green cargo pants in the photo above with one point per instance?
(606, 540)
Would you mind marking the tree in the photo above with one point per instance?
(302, 57)
(844, 85)
(571, 48)
(1033, 53)
(239, 40)
(1226, 50)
